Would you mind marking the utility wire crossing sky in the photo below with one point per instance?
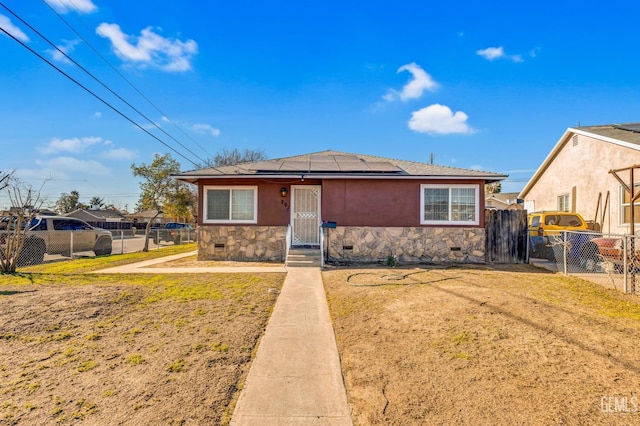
(91, 87)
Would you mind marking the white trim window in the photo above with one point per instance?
(563, 203)
(449, 204)
(230, 204)
(625, 206)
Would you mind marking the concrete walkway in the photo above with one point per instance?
(295, 378)
(145, 267)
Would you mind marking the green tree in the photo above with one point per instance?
(157, 188)
(68, 203)
(96, 202)
(493, 188)
(182, 203)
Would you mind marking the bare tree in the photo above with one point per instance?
(231, 157)
(17, 247)
(4, 179)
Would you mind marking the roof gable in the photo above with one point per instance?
(622, 135)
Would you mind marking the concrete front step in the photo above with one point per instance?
(304, 257)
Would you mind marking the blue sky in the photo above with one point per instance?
(482, 85)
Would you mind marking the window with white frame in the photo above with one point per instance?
(625, 206)
(230, 204)
(449, 204)
(563, 203)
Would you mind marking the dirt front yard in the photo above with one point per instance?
(477, 345)
(127, 349)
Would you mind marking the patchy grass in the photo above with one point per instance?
(89, 264)
(482, 345)
(141, 349)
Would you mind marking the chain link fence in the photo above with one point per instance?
(41, 247)
(611, 260)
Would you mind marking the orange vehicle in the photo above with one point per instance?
(611, 249)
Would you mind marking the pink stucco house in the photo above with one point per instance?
(576, 176)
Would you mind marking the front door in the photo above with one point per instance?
(305, 215)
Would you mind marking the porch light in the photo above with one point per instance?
(283, 191)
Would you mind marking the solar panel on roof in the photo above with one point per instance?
(352, 166)
(323, 166)
(301, 166)
(326, 163)
(266, 166)
(632, 127)
(339, 158)
(383, 166)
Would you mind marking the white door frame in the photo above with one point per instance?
(310, 235)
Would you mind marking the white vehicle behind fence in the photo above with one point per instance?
(67, 235)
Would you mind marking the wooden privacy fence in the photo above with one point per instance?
(506, 240)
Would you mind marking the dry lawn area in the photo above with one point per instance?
(77, 347)
(482, 345)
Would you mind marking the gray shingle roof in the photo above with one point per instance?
(339, 164)
(615, 131)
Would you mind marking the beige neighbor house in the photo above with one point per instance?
(98, 217)
(576, 176)
(503, 201)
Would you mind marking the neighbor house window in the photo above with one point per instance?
(449, 204)
(236, 204)
(563, 203)
(625, 206)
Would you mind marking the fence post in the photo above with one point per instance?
(71, 244)
(624, 264)
(632, 256)
(564, 251)
(122, 241)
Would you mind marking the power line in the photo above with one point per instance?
(121, 75)
(123, 115)
(99, 81)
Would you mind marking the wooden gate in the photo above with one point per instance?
(506, 236)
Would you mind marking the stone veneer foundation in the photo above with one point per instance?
(348, 244)
(408, 244)
(266, 243)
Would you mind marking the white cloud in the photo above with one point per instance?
(97, 114)
(493, 53)
(74, 145)
(414, 88)
(39, 174)
(476, 167)
(120, 154)
(6, 24)
(150, 49)
(70, 164)
(439, 119)
(68, 47)
(80, 6)
(206, 128)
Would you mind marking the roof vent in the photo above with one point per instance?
(575, 140)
